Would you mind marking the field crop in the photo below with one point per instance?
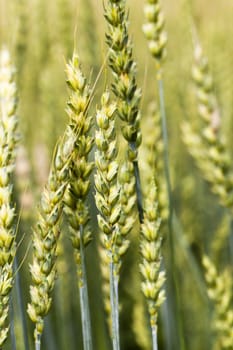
(116, 175)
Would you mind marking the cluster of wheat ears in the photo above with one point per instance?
(130, 168)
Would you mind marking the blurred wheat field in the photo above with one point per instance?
(41, 37)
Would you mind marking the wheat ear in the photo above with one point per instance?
(127, 219)
(154, 29)
(8, 142)
(108, 203)
(45, 239)
(206, 144)
(124, 85)
(219, 289)
(76, 207)
(150, 248)
(151, 158)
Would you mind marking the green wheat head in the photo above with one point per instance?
(150, 248)
(123, 67)
(206, 144)
(80, 169)
(8, 142)
(46, 236)
(219, 289)
(154, 29)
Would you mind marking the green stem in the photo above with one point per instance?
(21, 305)
(37, 341)
(116, 282)
(154, 338)
(138, 185)
(173, 283)
(114, 306)
(84, 301)
(190, 259)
